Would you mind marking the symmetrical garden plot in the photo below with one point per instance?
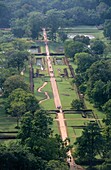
(76, 122)
(66, 91)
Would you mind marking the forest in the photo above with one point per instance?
(30, 127)
(20, 15)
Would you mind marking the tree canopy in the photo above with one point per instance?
(14, 82)
(89, 143)
(23, 16)
(23, 99)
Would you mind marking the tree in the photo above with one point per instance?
(78, 80)
(50, 148)
(97, 47)
(63, 36)
(107, 29)
(23, 98)
(82, 38)
(39, 127)
(21, 45)
(54, 20)
(56, 165)
(19, 27)
(107, 164)
(4, 15)
(98, 93)
(77, 104)
(35, 22)
(14, 82)
(107, 136)
(17, 109)
(16, 59)
(36, 134)
(108, 89)
(71, 48)
(98, 71)
(5, 73)
(108, 2)
(18, 157)
(89, 144)
(83, 61)
(101, 10)
(107, 108)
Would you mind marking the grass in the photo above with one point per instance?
(88, 30)
(81, 28)
(54, 126)
(48, 104)
(55, 47)
(77, 122)
(78, 132)
(7, 123)
(42, 46)
(72, 116)
(67, 94)
(61, 67)
(100, 114)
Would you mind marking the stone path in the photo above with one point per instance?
(57, 102)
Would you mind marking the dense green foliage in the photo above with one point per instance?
(25, 16)
(91, 142)
(77, 104)
(14, 82)
(37, 147)
(21, 101)
(93, 79)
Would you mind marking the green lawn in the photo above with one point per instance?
(42, 46)
(71, 134)
(87, 30)
(99, 114)
(77, 122)
(56, 70)
(67, 94)
(78, 132)
(55, 127)
(55, 47)
(7, 123)
(48, 104)
(72, 116)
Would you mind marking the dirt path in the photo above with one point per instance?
(57, 102)
(46, 94)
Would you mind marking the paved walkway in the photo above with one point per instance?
(57, 101)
